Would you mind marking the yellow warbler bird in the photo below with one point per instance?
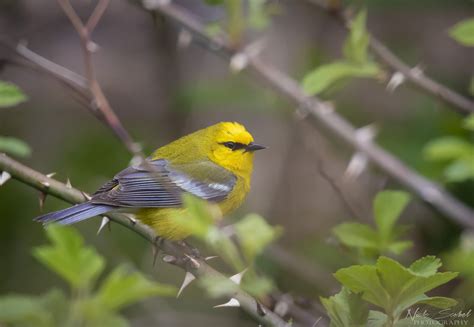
(214, 164)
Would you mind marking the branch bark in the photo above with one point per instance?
(198, 267)
(416, 77)
(322, 114)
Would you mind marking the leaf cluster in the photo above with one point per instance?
(238, 245)
(391, 288)
(89, 305)
(456, 153)
(356, 61)
(370, 242)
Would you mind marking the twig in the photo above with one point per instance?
(322, 114)
(88, 47)
(419, 79)
(198, 267)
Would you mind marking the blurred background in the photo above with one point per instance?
(161, 92)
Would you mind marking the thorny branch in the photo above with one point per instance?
(176, 254)
(414, 75)
(322, 114)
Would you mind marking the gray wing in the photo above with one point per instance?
(158, 184)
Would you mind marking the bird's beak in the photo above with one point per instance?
(254, 147)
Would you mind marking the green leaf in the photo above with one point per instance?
(463, 32)
(14, 146)
(254, 234)
(447, 148)
(469, 121)
(440, 302)
(258, 15)
(377, 319)
(461, 169)
(404, 285)
(346, 309)
(388, 205)
(10, 95)
(212, 30)
(399, 247)
(25, 310)
(356, 235)
(218, 286)
(426, 266)
(69, 258)
(198, 217)
(355, 46)
(461, 259)
(366, 280)
(258, 286)
(324, 76)
(122, 288)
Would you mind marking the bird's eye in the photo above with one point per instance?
(230, 145)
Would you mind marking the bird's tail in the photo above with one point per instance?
(74, 214)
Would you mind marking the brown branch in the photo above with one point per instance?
(323, 114)
(176, 254)
(416, 77)
(88, 47)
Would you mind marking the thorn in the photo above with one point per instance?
(152, 4)
(395, 81)
(194, 263)
(105, 221)
(260, 309)
(233, 302)
(281, 308)
(4, 177)
(237, 278)
(68, 183)
(50, 175)
(45, 184)
(188, 278)
(132, 219)
(416, 71)
(210, 257)
(169, 259)
(184, 39)
(42, 199)
(359, 160)
(155, 252)
(92, 47)
(238, 62)
(86, 196)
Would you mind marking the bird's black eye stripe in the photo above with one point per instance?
(234, 145)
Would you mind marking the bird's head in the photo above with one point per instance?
(232, 147)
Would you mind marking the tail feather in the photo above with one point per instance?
(74, 214)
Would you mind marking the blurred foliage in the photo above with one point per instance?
(14, 147)
(10, 95)
(463, 32)
(79, 266)
(369, 243)
(389, 286)
(461, 258)
(456, 153)
(252, 234)
(356, 62)
(255, 15)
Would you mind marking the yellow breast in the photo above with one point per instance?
(162, 220)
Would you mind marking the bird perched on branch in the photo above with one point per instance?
(214, 164)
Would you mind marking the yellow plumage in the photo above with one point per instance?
(214, 163)
(205, 144)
